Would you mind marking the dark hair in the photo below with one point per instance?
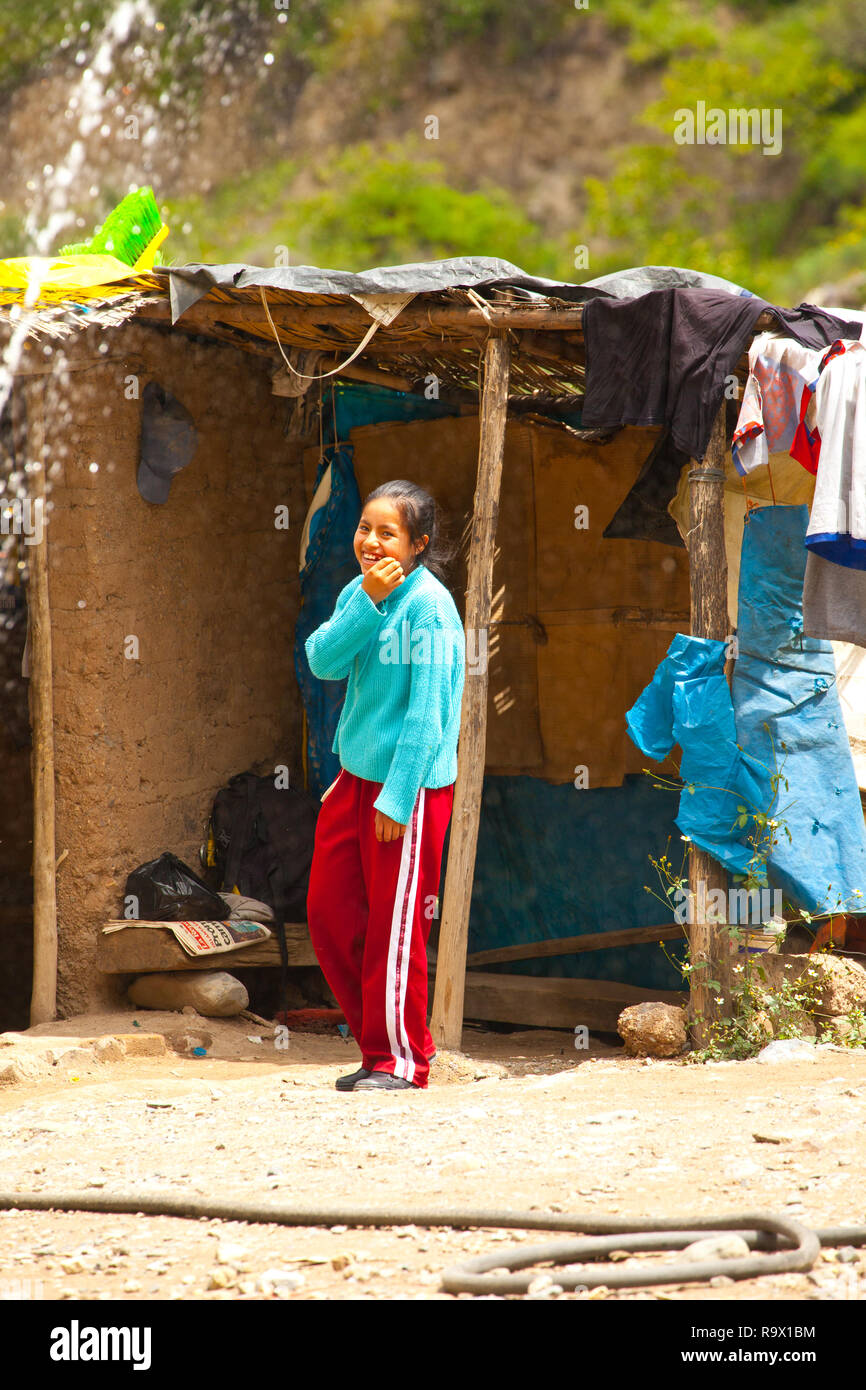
(421, 517)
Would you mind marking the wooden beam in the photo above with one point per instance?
(576, 945)
(710, 942)
(43, 1000)
(140, 950)
(447, 1019)
(594, 1004)
(413, 319)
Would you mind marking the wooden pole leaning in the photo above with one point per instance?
(709, 940)
(43, 1002)
(447, 1019)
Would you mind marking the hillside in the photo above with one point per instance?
(358, 132)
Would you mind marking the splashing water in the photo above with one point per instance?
(90, 96)
(49, 216)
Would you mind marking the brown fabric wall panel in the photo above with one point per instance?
(590, 673)
(578, 569)
(580, 679)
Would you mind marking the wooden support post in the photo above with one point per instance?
(710, 943)
(43, 1003)
(447, 1020)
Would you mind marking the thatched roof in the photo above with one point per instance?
(442, 313)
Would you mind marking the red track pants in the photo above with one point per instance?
(369, 911)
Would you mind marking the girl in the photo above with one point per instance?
(396, 633)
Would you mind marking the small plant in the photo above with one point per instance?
(849, 1031)
(760, 1011)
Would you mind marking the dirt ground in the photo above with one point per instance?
(517, 1120)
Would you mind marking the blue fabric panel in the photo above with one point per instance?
(330, 564)
(784, 693)
(554, 861)
(688, 702)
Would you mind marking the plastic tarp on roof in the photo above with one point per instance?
(189, 283)
(641, 279)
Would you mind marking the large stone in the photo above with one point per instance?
(653, 1030)
(842, 985)
(213, 993)
(839, 983)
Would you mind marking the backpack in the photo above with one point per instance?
(261, 842)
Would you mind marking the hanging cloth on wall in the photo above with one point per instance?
(663, 359)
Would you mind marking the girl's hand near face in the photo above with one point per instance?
(387, 829)
(382, 578)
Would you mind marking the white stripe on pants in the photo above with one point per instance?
(400, 942)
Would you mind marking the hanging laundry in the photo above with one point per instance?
(834, 601)
(788, 717)
(662, 359)
(837, 526)
(779, 392)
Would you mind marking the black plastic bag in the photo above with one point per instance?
(167, 890)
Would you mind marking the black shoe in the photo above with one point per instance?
(384, 1081)
(348, 1083)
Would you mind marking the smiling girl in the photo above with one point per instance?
(396, 634)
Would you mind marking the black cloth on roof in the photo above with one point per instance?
(644, 515)
(662, 359)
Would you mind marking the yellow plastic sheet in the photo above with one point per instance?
(41, 279)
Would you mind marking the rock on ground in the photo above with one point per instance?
(840, 983)
(213, 993)
(653, 1030)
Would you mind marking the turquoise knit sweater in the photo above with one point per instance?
(404, 658)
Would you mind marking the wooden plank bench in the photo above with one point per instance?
(140, 950)
(555, 1003)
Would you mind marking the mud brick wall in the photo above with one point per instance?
(206, 585)
(16, 882)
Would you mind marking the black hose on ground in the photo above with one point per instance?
(786, 1246)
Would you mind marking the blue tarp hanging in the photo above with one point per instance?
(688, 702)
(781, 715)
(784, 693)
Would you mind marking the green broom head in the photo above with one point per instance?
(126, 232)
(75, 248)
